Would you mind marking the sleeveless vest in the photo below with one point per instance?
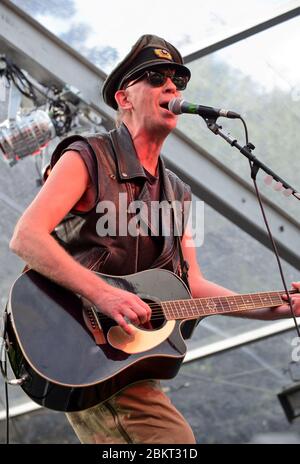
(118, 169)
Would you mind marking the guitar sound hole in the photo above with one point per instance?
(157, 318)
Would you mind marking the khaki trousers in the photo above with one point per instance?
(141, 413)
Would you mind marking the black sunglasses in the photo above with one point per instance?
(157, 79)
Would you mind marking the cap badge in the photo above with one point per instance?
(163, 53)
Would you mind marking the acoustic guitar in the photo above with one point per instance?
(70, 357)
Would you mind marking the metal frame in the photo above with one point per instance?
(239, 340)
(48, 59)
(282, 15)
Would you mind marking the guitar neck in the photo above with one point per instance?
(200, 307)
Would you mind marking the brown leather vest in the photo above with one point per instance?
(118, 171)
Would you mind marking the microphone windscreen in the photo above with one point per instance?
(175, 105)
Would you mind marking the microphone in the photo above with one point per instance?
(179, 106)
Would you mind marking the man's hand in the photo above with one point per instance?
(284, 311)
(119, 304)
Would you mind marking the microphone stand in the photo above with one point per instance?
(246, 151)
(255, 165)
(285, 397)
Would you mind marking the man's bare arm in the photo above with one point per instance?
(201, 287)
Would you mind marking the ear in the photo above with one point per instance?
(123, 99)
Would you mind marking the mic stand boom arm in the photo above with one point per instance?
(246, 151)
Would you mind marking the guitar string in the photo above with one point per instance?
(158, 312)
(205, 301)
(220, 303)
(158, 306)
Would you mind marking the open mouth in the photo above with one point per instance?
(165, 105)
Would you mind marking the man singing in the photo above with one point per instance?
(58, 235)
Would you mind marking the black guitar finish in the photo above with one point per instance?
(65, 369)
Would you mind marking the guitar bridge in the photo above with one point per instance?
(92, 322)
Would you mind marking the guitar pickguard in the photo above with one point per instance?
(141, 340)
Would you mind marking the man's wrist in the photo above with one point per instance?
(94, 287)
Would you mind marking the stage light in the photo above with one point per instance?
(55, 113)
(27, 132)
(26, 135)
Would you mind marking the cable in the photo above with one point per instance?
(6, 402)
(58, 108)
(254, 170)
(246, 129)
(13, 73)
(3, 368)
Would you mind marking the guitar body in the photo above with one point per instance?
(66, 370)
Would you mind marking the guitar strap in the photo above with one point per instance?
(184, 265)
(190, 325)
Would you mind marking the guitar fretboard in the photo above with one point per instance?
(198, 307)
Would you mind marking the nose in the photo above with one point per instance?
(170, 86)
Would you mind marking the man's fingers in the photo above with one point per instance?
(144, 311)
(122, 323)
(295, 285)
(132, 316)
(144, 314)
(133, 308)
(141, 309)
